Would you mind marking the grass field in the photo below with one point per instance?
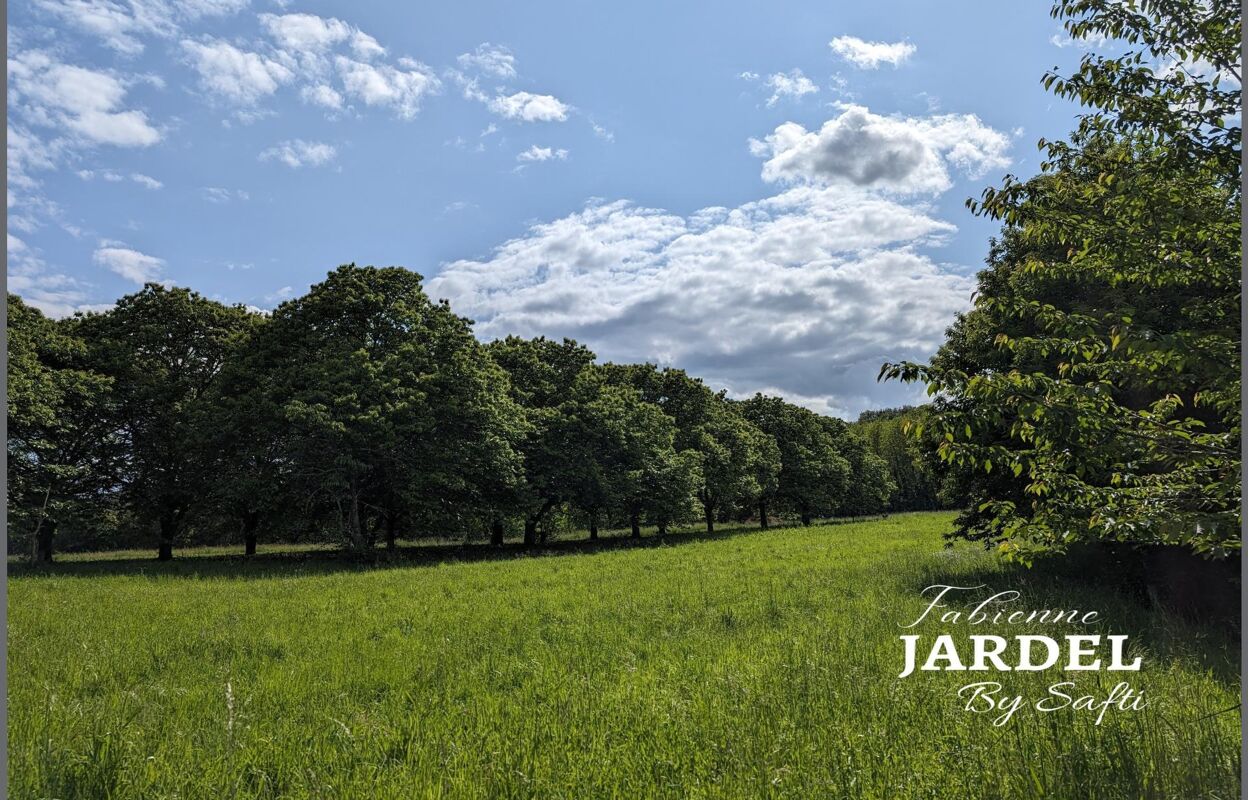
(745, 665)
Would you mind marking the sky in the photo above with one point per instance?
(768, 195)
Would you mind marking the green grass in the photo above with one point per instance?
(746, 665)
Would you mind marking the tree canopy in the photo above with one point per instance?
(1097, 376)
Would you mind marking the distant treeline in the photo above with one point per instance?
(364, 411)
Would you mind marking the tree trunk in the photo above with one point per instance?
(593, 527)
(530, 524)
(356, 533)
(251, 521)
(762, 513)
(42, 553)
(710, 516)
(496, 533)
(392, 528)
(168, 529)
(635, 523)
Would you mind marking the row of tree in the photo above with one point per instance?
(363, 410)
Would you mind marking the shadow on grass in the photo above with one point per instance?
(313, 562)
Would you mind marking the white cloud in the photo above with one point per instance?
(76, 102)
(530, 107)
(321, 95)
(400, 89)
(863, 149)
(55, 294)
(870, 55)
(235, 75)
(790, 84)
(306, 32)
(297, 153)
(365, 46)
(130, 264)
(120, 26)
(146, 181)
(284, 293)
(220, 195)
(1092, 41)
(490, 60)
(601, 132)
(804, 293)
(112, 176)
(535, 153)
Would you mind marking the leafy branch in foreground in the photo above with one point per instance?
(1094, 389)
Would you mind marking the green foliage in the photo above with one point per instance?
(383, 404)
(917, 485)
(162, 349)
(813, 473)
(869, 485)
(1110, 408)
(737, 461)
(362, 410)
(61, 451)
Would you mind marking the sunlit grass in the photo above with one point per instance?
(753, 664)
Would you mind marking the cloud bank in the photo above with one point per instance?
(801, 294)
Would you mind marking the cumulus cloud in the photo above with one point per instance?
(870, 55)
(789, 84)
(529, 107)
(305, 32)
(121, 26)
(297, 153)
(311, 37)
(859, 148)
(802, 294)
(235, 75)
(488, 59)
(321, 95)
(400, 88)
(535, 153)
(79, 103)
(130, 264)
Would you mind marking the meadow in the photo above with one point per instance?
(745, 664)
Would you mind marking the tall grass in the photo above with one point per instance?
(742, 666)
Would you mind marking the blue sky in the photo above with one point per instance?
(767, 194)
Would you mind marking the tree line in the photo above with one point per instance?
(364, 410)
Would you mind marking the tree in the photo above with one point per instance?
(387, 405)
(736, 460)
(869, 486)
(162, 349)
(61, 453)
(1111, 411)
(651, 478)
(243, 433)
(916, 483)
(813, 473)
(543, 378)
